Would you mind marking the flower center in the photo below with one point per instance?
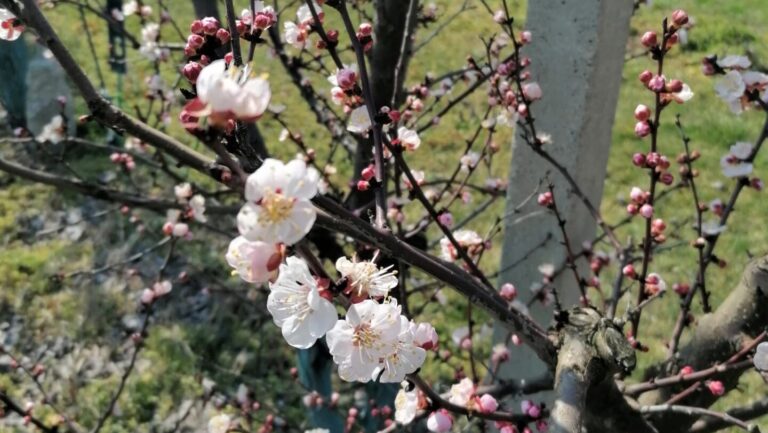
(275, 207)
(365, 336)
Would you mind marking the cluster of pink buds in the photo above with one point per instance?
(639, 203)
(654, 284)
(365, 177)
(204, 31)
(598, 261)
(365, 36)
(546, 199)
(124, 159)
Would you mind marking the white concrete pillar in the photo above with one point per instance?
(577, 56)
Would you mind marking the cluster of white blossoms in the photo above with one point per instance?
(469, 240)
(374, 341)
(738, 81)
(277, 212)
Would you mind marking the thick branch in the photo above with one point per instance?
(738, 320)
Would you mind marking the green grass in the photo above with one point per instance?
(721, 28)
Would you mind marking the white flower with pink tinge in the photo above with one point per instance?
(408, 138)
(369, 333)
(364, 278)
(406, 358)
(278, 207)
(296, 35)
(462, 392)
(230, 91)
(10, 27)
(253, 261)
(467, 239)
(298, 307)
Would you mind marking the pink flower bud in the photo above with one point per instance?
(629, 271)
(637, 195)
(679, 18)
(545, 199)
(147, 296)
(368, 172)
(191, 71)
(365, 29)
(180, 230)
(229, 57)
(525, 37)
(642, 113)
(487, 404)
(642, 129)
(508, 291)
(346, 78)
(440, 421)
(646, 211)
(653, 159)
(515, 339)
(682, 289)
(223, 35)
(686, 370)
(632, 209)
(195, 41)
(667, 178)
(196, 27)
(716, 387)
(168, 228)
(649, 39)
(241, 27)
(756, 183)
(446, 219)
(645, 76)
(675, 86)
(532, 91)
(638, 159)
(499, 16)
(210, 25)
(363, 185)
(657, 83)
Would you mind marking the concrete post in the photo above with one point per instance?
(577, 56)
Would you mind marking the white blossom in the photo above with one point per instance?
(406, 405)
(359, 120)
(297, 306)
(731, 88)
(53, 131)
(408, 138)
(295, 35)
(369, 333)
(253, 261)
(734, 167)
(467, 239)
(197, 205)
(232, 91)
(405, 359)
(733, 61)
(469, 161)
(364, 278)
(742, 149)
(462, 392)
(279, 207)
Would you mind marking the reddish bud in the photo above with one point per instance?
(649, 39)
(642, 113)
(679, 18)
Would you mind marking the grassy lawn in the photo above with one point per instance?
(722, 27)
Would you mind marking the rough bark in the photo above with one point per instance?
(741, 317)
